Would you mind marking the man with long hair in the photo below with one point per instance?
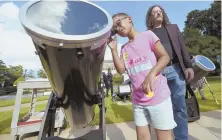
(179, 70)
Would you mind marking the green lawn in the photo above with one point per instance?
(6, 117)
(122, 113)
(210, 104)
(11, 102)
(115, 113)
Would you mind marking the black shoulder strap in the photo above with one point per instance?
(189, 90)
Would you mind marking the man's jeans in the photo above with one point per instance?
(177, 86)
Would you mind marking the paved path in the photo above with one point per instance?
(207, 128)
(8, 108)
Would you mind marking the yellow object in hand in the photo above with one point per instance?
(150, 94)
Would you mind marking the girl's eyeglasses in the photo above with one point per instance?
(119, 23)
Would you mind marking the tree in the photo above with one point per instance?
(214, 14)
(9, 75)
(30, 74)
(25, 73)
(202, 32)
(207, 21)
(41, 73)
(16, 71)
(3, 71)
(18, 80)
(191, 38)
(196, 43)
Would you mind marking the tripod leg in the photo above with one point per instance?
(210, 90)
(48, 121)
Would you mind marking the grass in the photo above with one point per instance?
(11, 102)
(6, 117)
(210, 104)
(122, 113)
(114, 113)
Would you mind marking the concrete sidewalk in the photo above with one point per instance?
(207, 128)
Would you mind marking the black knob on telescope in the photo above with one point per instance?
(79, 53)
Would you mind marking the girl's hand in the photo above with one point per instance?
(148, 82)
(112, 43)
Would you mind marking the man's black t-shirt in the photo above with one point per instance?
(162, 34)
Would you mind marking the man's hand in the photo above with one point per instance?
(148, 82)
(189, 74)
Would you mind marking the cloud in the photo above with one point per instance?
(9, 10)
(16, 47)
(96, 27)
(51, 15)
(1, 26)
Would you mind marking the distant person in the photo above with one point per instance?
(105, 85)
(2, 85)
(110, 82)
(199, 86)
(104, 78)
(144, 57)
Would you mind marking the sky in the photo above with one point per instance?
(16, 47)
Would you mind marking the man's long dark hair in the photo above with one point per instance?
(149, 19)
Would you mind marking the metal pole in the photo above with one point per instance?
(205, 80)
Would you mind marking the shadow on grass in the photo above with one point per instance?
(208, 105)
(122, 112)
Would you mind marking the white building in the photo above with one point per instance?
(109, 64)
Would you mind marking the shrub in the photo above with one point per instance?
(18, 80)
(117, 79)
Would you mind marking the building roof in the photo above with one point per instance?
(108, 61)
